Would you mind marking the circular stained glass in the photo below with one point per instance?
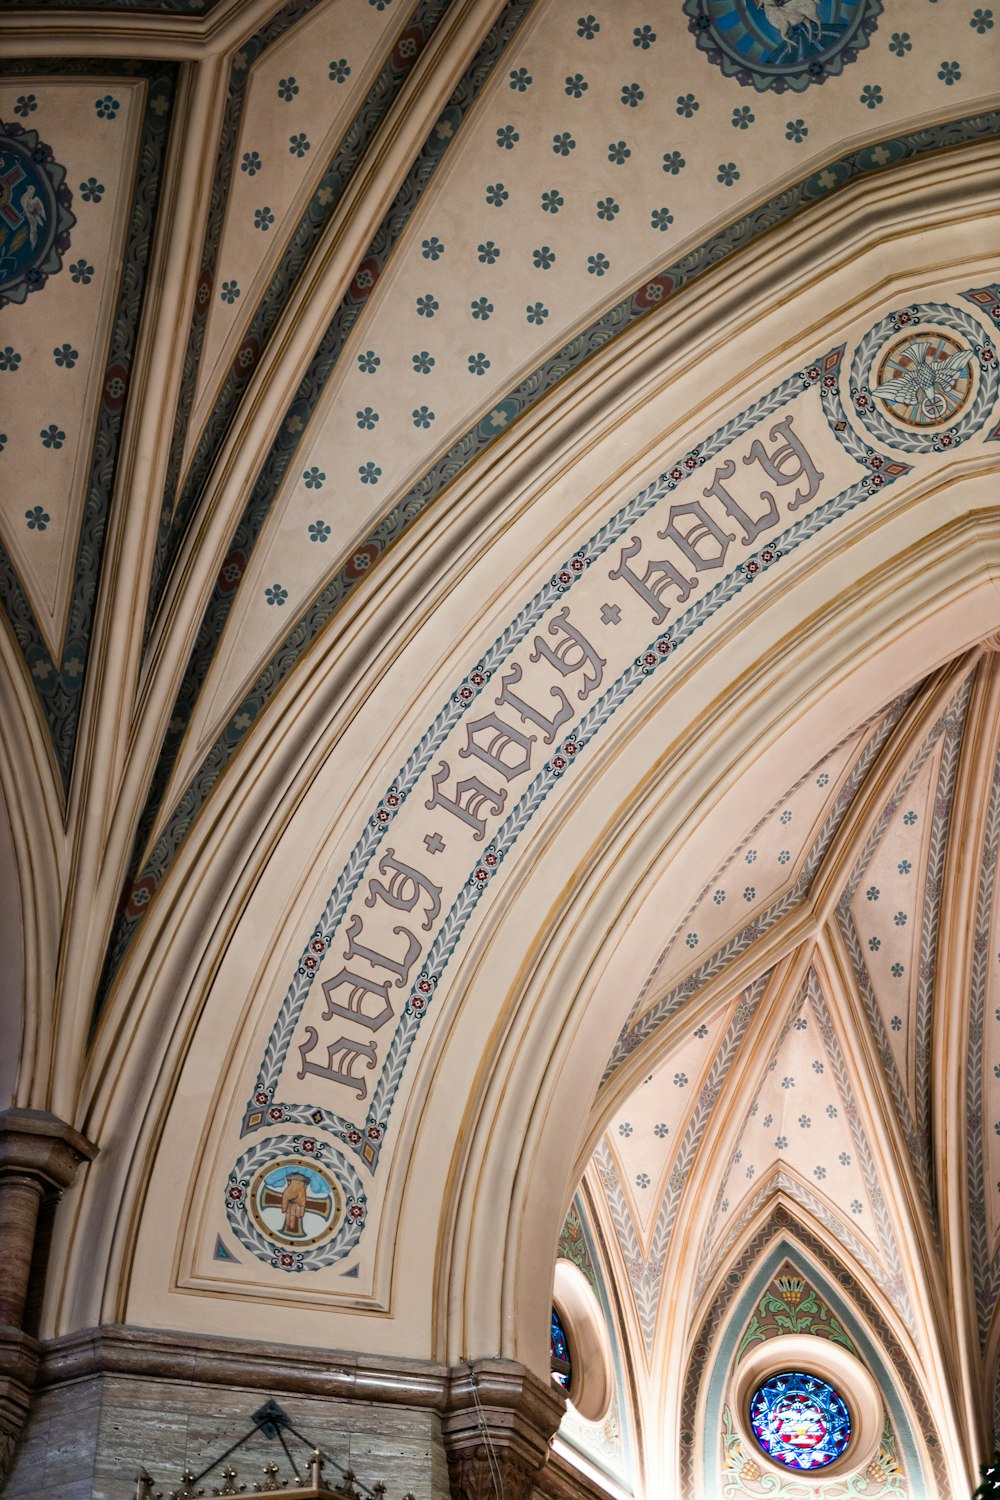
(799, 1420)
(562, 1365)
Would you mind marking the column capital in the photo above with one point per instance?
(37, 1144)
(499, 1416)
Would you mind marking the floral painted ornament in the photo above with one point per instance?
(782, 44)
(35, 217)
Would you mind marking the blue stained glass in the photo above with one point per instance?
(562, 1366)
(800, 1421)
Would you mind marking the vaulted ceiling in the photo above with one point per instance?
(363, 356)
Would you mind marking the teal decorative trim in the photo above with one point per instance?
(404, 51)
(151, 870)
(715, 1348)
(59, 684)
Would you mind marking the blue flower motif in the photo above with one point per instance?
(719, 896)
(276, 594)
(552, 201)
(520, 79)
(298, 144)
(856, 1205)
(82, 272)
(743, 117)
(598, 264)
(314, 478)
(52, 436)
(982, 20)
(796, 130)
(370, 473)
(319, 531)
(543, 258)
(673, 162)
(507, 137)
(287, 89)
(900, 919)
(871, 95)
(618, 152)
(749, 893)
(781, 1143)
(536, 313)
(642, 1179)
(904, 867)
(873, 893)
(909, 818)
(607, 208)
(896, 971)
(9, 359)
(251, 163)
(788, 1082)
(422, 416)
(431, 249)
(844, 1159)
(380, 4)
(874, 944)
(66, 356)
(661, 218)
(427, 306)
(496, 197)
(339, 70)
(784, 856)
(587, 28)
(230, 291)
(92, 191)
(680, 1080)
(949, 72)
(576, 86)
(819, 1173)
(822, 779)
(686, 105)
(478, 364)
(563, 144)
(422, 362)
(366, 419)
(263, 218)
(481, 308)
(107, 107)
(900, 43)
(660, 1131)
(750, 856)
(691, 940)
(644, 37)
(632, 95)
(26, 105)
(368, 362)
(728, 173)
(805, 1123)
(625, 1129)
(488, 252)
(37, 518)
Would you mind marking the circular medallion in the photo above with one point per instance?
(925, 380)
(35, 217)
(296, 1203)
(800, 1420)
(782, 44)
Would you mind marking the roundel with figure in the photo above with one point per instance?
(782, 44)
(800, 1420)
(35, 217)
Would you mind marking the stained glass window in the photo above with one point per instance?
(562, 1365)
(799, 1420)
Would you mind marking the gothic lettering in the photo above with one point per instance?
(573, 653)
(381, 960)
(703, 528)
(346, 1053)
(358, 987)
(477, 795)
(525, 711)
(751, 528)
(776, 464)
(501, 739)
(659, 575)
(403, 889)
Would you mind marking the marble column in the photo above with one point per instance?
(496, 1430)
(39, 1156)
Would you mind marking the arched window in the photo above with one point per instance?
(559, 1355)
(801, 1421)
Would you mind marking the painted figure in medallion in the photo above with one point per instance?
(35, 217)
(782, 44)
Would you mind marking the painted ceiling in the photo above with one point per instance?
(356, 356)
